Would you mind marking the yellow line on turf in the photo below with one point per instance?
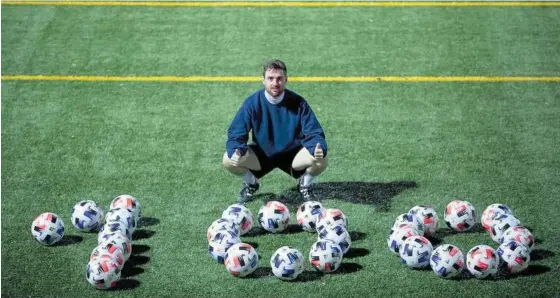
(291, 79)
(282, 3)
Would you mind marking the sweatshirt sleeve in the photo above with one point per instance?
(312, 130)
(238, 131)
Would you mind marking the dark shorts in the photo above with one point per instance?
(282, 161)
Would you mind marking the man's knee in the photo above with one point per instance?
(228, 165)
(318, 166)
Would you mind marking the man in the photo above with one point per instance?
(285, 134)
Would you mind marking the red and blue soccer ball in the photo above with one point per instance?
(483, 261)
(241, 216)
(428, 216)
(102, 273)
(87, 216)
(515, 256)
(331, 217)
(220, 243)
(447, 261)
(460, 216)
(274, 217)
(241, 259)
(415, 252)
(287, 263)
(307, 215)
(122, 215)
(338, 235)
(128, 202)
(47, 228)
(108, 251)
(325, 256)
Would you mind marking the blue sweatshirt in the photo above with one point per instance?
(275, 128)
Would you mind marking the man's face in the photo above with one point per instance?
(274, 81)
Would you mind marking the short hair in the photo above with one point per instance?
(274, 64)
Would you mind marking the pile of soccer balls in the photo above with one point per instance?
(114, 238)
(241, 259)
(409, 235)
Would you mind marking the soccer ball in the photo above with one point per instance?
(241, 259)
(103, 273)
(110, 251)
(415, 252)
(274, 217)
(500, 224)
(482, 261)
(492, 212)
(325, 256)
(287, 263)
(128, 202)
(121, 241)
(47, 228)
(515, 255)
(87, 216)
(241, 215)
(460, 216)
(398, 235)
(428, 216)
(447, 261)
(220, 243)
(222, 224)
(338, 235)
(519, 234)
(113, 227)
(409, 219)
(307, 215)
(331, 217)
(122, 215)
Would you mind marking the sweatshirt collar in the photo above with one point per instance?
(274, 100)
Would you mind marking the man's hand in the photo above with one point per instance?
(318, 152)
(237, 158)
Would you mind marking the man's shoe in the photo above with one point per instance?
(306, 191)
(247, 192)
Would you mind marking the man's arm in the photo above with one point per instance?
(312, 130)
(238, 131)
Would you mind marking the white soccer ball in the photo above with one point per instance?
(128, 202)
(409, 219)
(103, 273)
(241, 215)
(274, 217)
(307, 215)
(113, 227)
(492, 212)
(222, 224)
(429, 218)
(398, 235)
(47, 228)
(482, 261)
(460, 216)
(331, 217)
(338, 235)
(415, 252)
(121, 241)
(241, 259)
(287, 263)
(500, 224)
(87, 216)
(447, 261)
(122, 215)
(519, 234)
(220, 243)
(325, 256)
(108, 250)
(515, 255)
